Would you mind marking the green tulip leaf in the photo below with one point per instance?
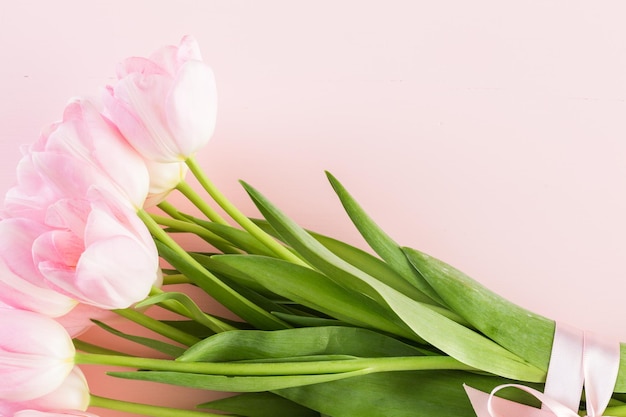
(260, 404)
(229, 298)
(360, 259)
(190, 326)
(400, 394)
(233, 383)
(445, 334)
(522, 332)
(251, 344)
(190, 306)
(380, 241)
(236, 237)
(169, 349)
(309, 321)
(315, 290)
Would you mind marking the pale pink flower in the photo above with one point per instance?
(164, 177)
(85, 149)
(66, 413)
(82, 151)
(93, 250)
(72, 394)
(97, 251)
(33, 193)
(165, 105)
(22, 286)
(78, 320)
(36, 355)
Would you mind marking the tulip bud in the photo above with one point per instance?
(22, 285)
(69, 413)
(36, 355)
(97, 252)
(165, 105)
(89, 146)
(73, 394)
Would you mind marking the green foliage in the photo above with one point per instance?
(254, 344)
(260, 404)
(380, 241)
(427, 324)
(232, 300)
(398, 394)
(167, 348)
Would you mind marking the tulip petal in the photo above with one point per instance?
(56, 254)
(21, 294)
(165, 106)
(141, 65)
(32, 194)
(188, 49)
(115, 273)
(166, 58)
(192, 107)
(86, 135)
(68, 176)
(145, 126)
(37, 413)
(73, 394)
(164, 177)
(21, 283)
(38, 361)
(127, 222)
(79, 319)
(113, 264)
(16, 247)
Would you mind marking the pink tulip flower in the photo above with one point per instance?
(79, 319)
(87, 146)
(45, 176)
(36, 355)
(32, 194)
(28, 291)
(73, 394)
(78, 239)
(68, 413)
(98, 252)
(165, 105)
(93, 250)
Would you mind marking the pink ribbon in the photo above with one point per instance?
(578, 358)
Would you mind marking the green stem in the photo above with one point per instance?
(184, 226)
(212, 322)
(175, 279)
(404, 363)
(90, 348)
(207, 210)
(171, 211)
(158, 327)
(145, 409)
(281, 251)
(211, 284)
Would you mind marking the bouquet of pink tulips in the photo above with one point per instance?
(324, 328)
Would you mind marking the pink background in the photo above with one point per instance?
(489, 134)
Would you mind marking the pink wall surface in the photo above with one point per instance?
(489, 134)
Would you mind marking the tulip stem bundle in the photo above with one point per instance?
(290, 368)
(158, 327)
(238, 216)
(205, 208)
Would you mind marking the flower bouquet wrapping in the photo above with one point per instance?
(324, 328)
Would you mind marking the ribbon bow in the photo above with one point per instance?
(578, 358)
